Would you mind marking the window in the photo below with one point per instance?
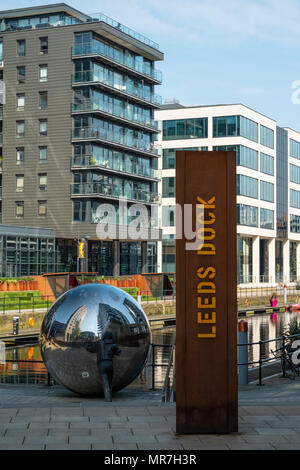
(42, 208)
(21, 72)
(169, 187)
(247, 157)
(43, 99)
(185, 129)
(19, 209)
(267, 219)
(20, 156)
(20, 129)
(43, 73)
(294, 149)
(19, 183)
(21, 47)
(295, 198)
(295, 174)
(247, 186)
(267, 137)
(43, 154)
(20, 102)
(169, 156)
(248, 129)
(43, 46)
(247, 215)
(266, 164)
(79, 211)
(43, 123)
(43, 181)
(295, 223)
(266, 191)
(225, 126)
(1, 49)
(168, 216)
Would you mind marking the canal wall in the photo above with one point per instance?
(151, 309)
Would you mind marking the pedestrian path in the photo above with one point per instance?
(40, 417)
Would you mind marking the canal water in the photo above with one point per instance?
(260, 327)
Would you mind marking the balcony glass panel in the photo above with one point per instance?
(118, 55)
(113, 108)
(118, 82)
(114, 136)
(115, 189)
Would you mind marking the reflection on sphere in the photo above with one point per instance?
(85, 317)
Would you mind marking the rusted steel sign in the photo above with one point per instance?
(206, 289)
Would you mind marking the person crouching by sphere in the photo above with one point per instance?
(105, 349)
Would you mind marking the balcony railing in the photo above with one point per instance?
(113, 191)
(86, 161)
(94, 49)
(69, 21)
(114, 110)
(90, 76)
(115, 137)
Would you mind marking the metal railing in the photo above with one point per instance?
(114, 191)
(21, 303)
(86, 161)
(117, 84)
(264, 360)
(115, 137)
(114, 110)
(116, 56)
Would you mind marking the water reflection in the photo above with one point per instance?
(21, 372)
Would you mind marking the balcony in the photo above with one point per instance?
(90, 161)
(118, 86)
(119, 140)
(118, 112)
(69, 21)
(113, 191)
(123, 62)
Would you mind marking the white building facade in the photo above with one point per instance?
(268, 186)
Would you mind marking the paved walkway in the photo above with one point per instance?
(39, 417)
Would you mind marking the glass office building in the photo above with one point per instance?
(268, 186)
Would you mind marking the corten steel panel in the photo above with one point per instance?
(206, 368)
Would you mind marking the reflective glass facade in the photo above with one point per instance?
(168, 187)
(279, 261)
(245, 259)
(266, 191)
(247, 186)
(169, 156)
(247, 215)
(295, 174)
(281, 182)
(266, 219)
(267, 137)
(266, 164)
(295, 223)
(295, 198)
(294, 149)
(264, 260)
(168, 256)
(185, 129)
(227, 126)
(168, 216)
(293, 261)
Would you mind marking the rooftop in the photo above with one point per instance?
(9, 20)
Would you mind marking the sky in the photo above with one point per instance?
(217, 52)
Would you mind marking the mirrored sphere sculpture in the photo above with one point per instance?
(84, 318)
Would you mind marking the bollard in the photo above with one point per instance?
(243, 352)
(139, 297)
(16, 325)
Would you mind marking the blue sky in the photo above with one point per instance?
(215, 51)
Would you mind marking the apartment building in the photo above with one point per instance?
(268, 185)
(77, 130)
